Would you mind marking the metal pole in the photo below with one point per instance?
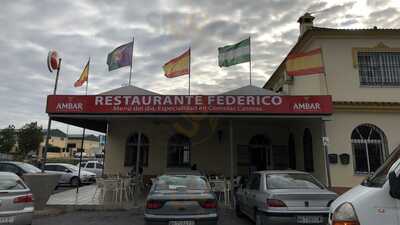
(137, 168)
(327, 169)
(83, 135)
(250, 58)
(46, 147)
(80, 158)
(138, 153)
(130, 73)
(190, 55)
(104, 151)
(231, 159)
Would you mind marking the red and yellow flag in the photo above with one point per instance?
(305, 63)
(178, 66)
(84, 76)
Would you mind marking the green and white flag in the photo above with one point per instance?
(234, 54)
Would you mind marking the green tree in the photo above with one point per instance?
(29, 138)
(7, 139)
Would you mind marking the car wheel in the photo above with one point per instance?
(258, 219)
(239, 212)
(75, 181)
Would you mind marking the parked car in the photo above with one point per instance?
(18, 168)
(375, 201)
(181, 200)
(284, 197)
(16, 201)
(69, 174)
(93, 166)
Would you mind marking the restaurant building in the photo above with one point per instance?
(229, 134)
(338, 126)
(362, 74)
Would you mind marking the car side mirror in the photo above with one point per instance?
(67, 171)
(394, 184)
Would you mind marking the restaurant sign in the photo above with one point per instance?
(165, 104)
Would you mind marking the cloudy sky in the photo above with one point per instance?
(162, 29)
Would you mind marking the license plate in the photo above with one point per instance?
(310, 219)
(7, 219)
(183, 222)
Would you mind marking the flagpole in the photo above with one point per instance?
(250, 58)
(130, 73)
(84, 130)
(190, 56)
(46, 147)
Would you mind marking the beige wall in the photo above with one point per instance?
(90, 147)
(342, 76)
(339, 131)
(208, 153)
(59, 142)
(342, 82)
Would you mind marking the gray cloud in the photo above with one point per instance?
(162, 30)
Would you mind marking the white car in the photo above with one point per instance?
(93, 166)
(69, 174)
(375, 201)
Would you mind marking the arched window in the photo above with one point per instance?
(259, 146)
(308, 151)
(368, 143)
(292, 152)
(131, 150)
(179, 151)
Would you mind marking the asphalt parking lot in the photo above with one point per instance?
(227, 217)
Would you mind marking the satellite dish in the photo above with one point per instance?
(52, 60)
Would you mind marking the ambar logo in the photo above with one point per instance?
(307, 106)
(69, 106)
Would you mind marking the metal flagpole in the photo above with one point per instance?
(44, 152)
(130, 73)
(83, 134)
(190, 56)
(250, 57)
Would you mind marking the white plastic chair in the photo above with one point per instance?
(110, 185)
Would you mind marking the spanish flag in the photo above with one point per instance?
(305, 63)
(178, 66)
(84, 76)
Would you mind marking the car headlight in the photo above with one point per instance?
(345, 214)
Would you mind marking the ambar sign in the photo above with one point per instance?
(135, 104)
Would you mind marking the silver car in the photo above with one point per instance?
(284, 197)
(16, 200)
(181, 200)
(69, 174)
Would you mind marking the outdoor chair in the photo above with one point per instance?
(110, 185)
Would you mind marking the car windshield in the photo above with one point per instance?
(11, 183)
(181, 182)
(29, 168)
(380, 176)
(292, 181)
